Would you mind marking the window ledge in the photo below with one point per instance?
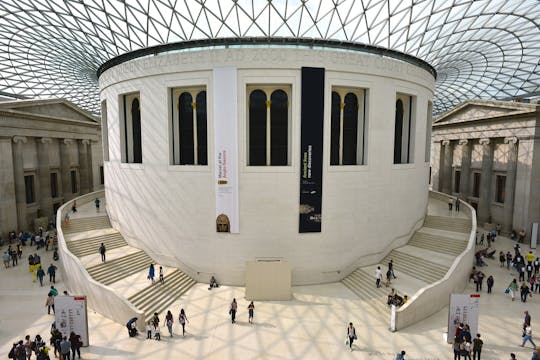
(347, 168)
(189, 168)
(403, 166)
(499, 204)
(133, 166)
(268, 169)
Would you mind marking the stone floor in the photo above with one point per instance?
(312, 326)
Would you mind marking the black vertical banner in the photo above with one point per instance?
(311, 149)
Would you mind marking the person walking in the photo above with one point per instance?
(378, 275)
(155, 320)
(490, 281)
(351, 334)
(477, 347)
(151, 273)
(65, 348)
(232, 311)
(97, 202)
(49, 303)
(391, 268)
(513, 288)
(76, 343)
(457, 203)
(502, 259)
(401, 355)
(40, 275)
(182, 319)
(102, 251)
(51, 271)
(528, 337)
(479, 280)
(251, 310)
(169, 322)
(74, 207)
(161, 278)
(149, 328)
(526, 321)
(524, 291)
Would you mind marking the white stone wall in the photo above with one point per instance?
(170, 210)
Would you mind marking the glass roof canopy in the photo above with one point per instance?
(480, 49)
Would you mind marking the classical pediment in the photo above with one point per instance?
(472, 110)
(50, 108)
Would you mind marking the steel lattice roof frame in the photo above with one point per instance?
(488, 49)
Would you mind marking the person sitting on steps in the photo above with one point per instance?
(213, 283)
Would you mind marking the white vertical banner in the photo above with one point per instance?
(71, 315)
(226, 145)
(464, 308)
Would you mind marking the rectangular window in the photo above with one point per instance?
(404, 129)
(189, 145)
(500, 185)
(130, 129)
(29, 189)
(476, 184)
(269, 125)
(101, 175)
(74, 185)
(457, 180)
(54, 184)
(104, 130)
(348, 137)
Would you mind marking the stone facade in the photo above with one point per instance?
(489, 153)
(50, 152)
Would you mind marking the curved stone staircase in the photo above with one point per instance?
(425, 259)
(124, 263)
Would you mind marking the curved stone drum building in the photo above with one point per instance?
(218, 155)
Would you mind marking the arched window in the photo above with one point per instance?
(335, 128)
(136, 116)
(130, 131)
(404, 129)
(185, 128)
(279, 123)
(189, 145)
(268, 126)
(398, 132)
(350, 129)
(347, 127)
(202, 142)
(257, 128)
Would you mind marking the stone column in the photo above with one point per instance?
(464, 182)
(44, 178)
(65, 168)
(510, 184)
(83, 166)
(447, 166)
(484, 203)
(91, 186)
(20, 191)
(8, 204)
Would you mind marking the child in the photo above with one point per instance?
(157, 334)
(149, 328)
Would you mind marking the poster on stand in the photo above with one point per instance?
(464, 308)
(71, 316)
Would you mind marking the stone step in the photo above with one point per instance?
(91, 245)
(114, 270)
(157, 297)
(363, 285)
(86, 224)
(447, 223)
(414, 266)
(437, 243)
